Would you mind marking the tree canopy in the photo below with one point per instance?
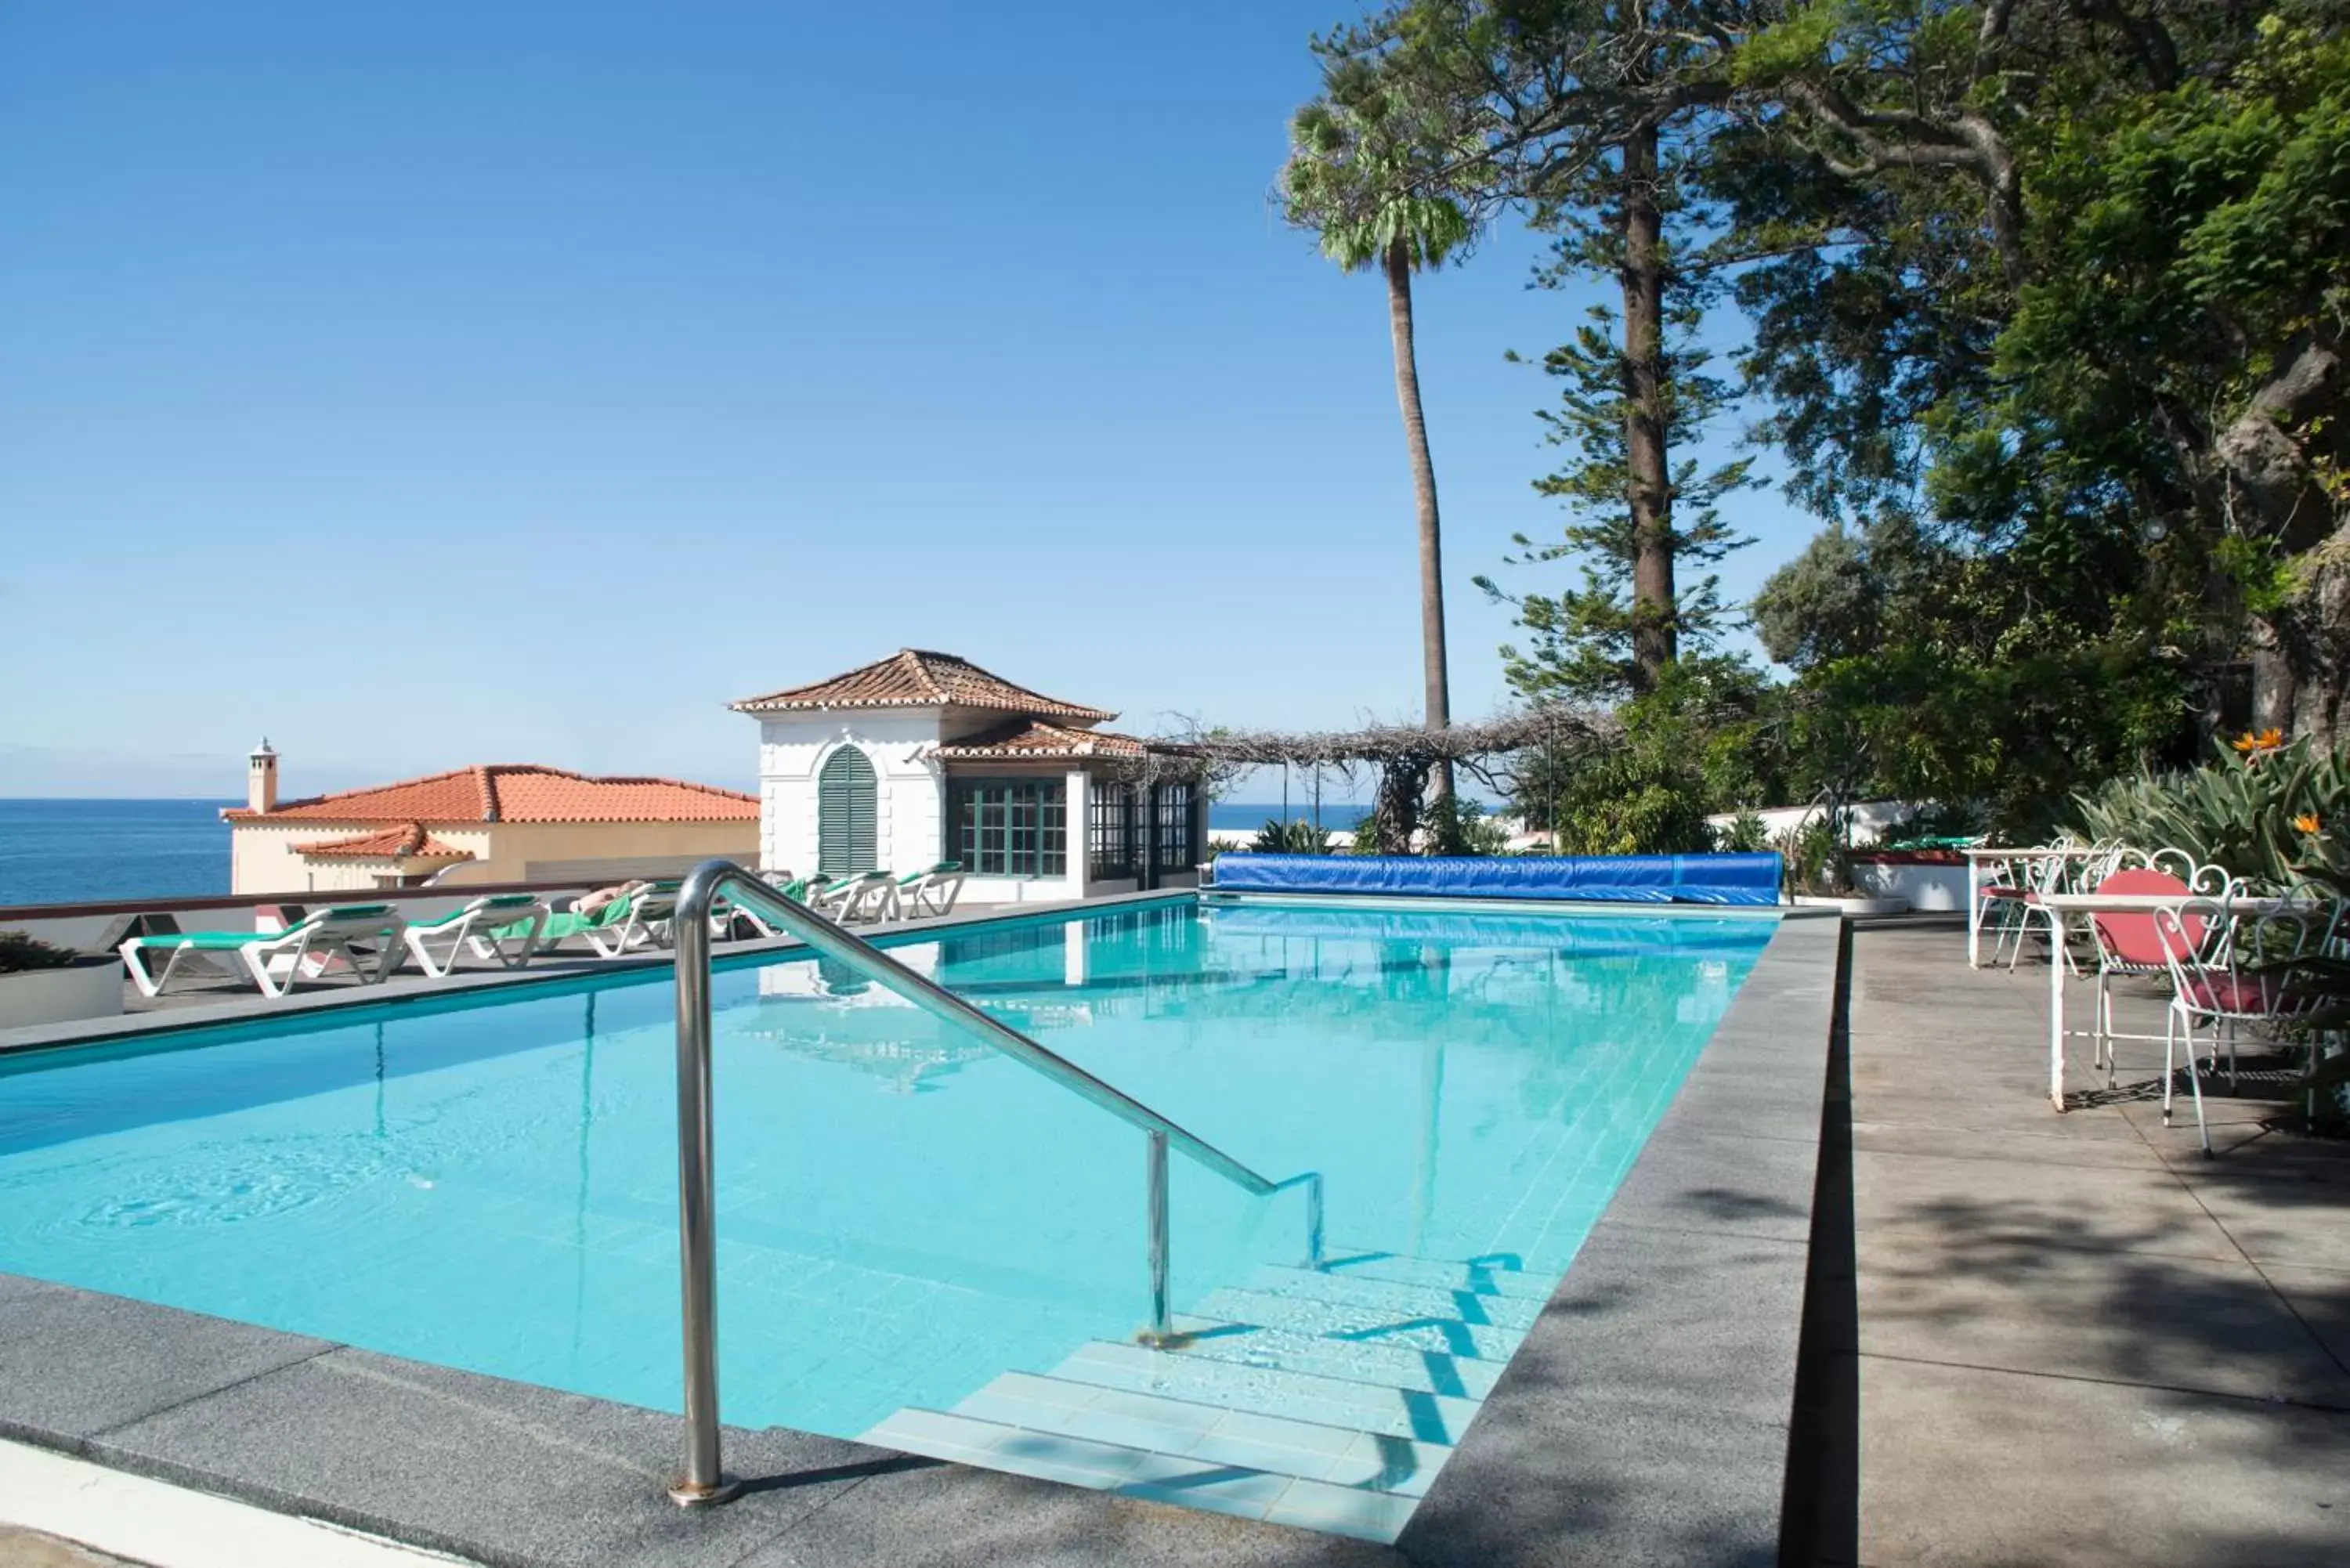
(2048, 301)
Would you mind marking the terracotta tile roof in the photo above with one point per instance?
(1035, 737)
(518, 792)
(407, 841)
(915, 678)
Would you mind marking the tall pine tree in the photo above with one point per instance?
(1635, 395)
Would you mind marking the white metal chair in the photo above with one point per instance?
(2234, 974)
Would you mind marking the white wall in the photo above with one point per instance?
(909, 797)
(1871, 820)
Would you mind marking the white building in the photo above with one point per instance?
(924, 757)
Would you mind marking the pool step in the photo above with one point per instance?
(1488, 1278)
(1327, 1399)
(1441, 1331)
(1183, 1481)
(1398, 1412)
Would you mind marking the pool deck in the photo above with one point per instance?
(2066, 1339)
(1644, 1420)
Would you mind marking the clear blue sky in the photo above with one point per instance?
(437, 383)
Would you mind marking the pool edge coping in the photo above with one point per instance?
(1710, 1493)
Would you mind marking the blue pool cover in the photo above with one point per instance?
(1612, 878)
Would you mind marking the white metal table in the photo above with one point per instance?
(1979, 859)
(2061, 905)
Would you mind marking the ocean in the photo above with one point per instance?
(1339, 815)
(88, 851)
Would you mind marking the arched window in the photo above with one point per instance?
(844, 815)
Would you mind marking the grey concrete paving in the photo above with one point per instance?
(2074, 1339)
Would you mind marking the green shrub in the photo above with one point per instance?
(20, 952)
(2238, 813)
(1815, 856)
(1745, 835)
(1634, 803)
(1457, 826)
(1299, 837)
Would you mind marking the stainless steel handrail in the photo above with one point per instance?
(704, 1480)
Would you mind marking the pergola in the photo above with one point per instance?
(1403, 755)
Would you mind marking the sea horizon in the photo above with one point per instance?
(72, 849)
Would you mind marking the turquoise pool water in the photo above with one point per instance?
(902, 1214)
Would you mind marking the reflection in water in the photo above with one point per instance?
(579, 1204)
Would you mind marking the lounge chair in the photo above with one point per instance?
(611, 928)
(276, 959)
(930, 892)
(726, 911)
(872, 897)
(828, 896)
(488, 925)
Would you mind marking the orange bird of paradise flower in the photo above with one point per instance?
(2266, 740)
(2307, 821)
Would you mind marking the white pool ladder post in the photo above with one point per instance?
(705, 1481)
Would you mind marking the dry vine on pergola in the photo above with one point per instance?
(1403, 755)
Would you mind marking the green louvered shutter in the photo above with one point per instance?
(844, 815)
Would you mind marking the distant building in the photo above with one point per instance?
(922, 757)
(498, 823)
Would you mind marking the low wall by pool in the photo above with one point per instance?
(1718, 879)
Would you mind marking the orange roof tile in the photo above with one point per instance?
(518, 792)
(407, 841)
(1033, 738)
(916, 677)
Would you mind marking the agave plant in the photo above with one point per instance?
(1299, 837)
(2240, 812)
(2320, 972)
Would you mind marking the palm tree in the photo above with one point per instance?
(1365, 174)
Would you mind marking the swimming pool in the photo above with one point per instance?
(920, 1240)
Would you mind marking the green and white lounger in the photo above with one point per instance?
(873, 895)
(930, 892)
(274, 959)
(484, 925)
(609, 929)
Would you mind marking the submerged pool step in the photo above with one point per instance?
(1399, 1301)
(1489, 1279)
(1212, 1434)
(1358, 1361)
(1355, 1324)
(1273, 1391)
(1179, 1480)
(1325, 1398)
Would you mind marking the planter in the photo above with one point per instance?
(1854, 906)
(1922, 884)
(89, 987)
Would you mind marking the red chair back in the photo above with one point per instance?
(2131, 938)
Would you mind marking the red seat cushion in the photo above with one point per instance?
(2246, 995)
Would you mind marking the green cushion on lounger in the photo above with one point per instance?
(229, 942)
(489, 906)
(209, 941)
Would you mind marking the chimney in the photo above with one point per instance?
(261, 778)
